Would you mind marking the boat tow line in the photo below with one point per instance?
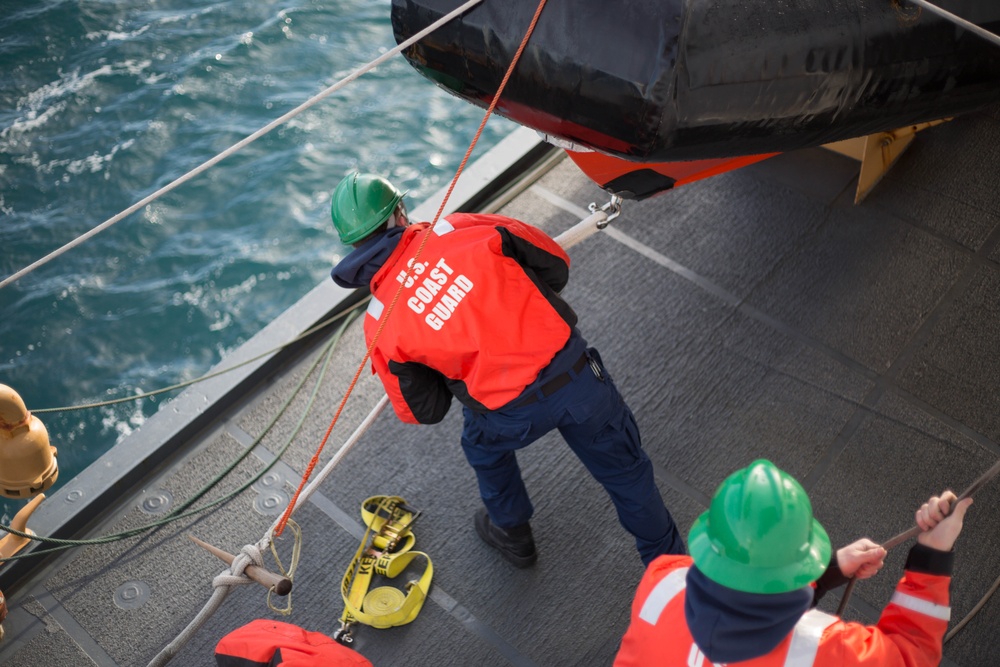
(385, 550)
(973, 488)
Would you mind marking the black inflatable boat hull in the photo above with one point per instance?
(669, 80)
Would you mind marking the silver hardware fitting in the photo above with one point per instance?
(565, 144)
(343, 634)
(613, 208)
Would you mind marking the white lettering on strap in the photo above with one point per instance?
(662, 594)
(925, 607)
(442, 227)
(806, 636)
(375, 308)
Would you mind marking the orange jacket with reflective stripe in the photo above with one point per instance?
(909, 633)
(478, 316)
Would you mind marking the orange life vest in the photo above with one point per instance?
(484, 320)
(264, 643)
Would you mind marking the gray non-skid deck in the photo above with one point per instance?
(756, 314)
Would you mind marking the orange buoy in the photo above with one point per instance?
(27, 461)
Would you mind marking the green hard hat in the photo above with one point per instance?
(362, 202)
(758, 534)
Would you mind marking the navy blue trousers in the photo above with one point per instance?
(599, 427)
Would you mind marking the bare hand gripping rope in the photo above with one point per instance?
(916, 530)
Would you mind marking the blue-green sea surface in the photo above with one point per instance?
(103, 102)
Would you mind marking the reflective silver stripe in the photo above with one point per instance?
(442, 227)
(805, 638)
(695, 657)
(925, 607)
(375, 308)
(662, 594)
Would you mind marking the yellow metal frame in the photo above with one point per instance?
(12, 543)
(877, 153)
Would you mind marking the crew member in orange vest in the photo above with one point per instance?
(479, 318)
(759, 564)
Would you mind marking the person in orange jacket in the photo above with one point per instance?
(759, 564)
(478, 317)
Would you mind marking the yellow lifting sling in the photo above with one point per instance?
(385, 550)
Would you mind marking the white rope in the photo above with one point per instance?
(170, 650)
(958, 20)
(581, 230)
(223, 583)
(239, 145)
(332, 463)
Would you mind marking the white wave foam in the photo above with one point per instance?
(92, 163)
(41, 105)
(114, 36)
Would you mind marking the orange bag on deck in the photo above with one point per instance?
(264, 643)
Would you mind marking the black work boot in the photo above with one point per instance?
(515, 544)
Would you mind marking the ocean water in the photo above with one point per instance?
(102, 102)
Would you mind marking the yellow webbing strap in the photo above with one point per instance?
(386, 553)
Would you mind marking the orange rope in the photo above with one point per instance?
(357, 374)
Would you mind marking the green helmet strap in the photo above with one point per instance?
(361, 203)
(759, 534)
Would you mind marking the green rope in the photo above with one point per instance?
(209, 376)
(179, 512)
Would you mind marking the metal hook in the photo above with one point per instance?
(613, 208)
(343, 633)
